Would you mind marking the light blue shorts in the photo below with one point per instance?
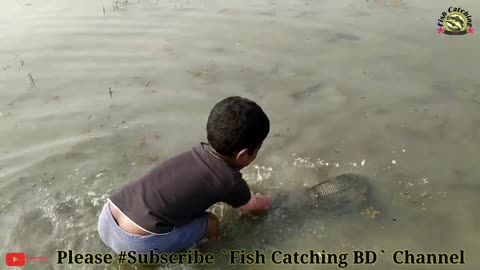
(178, 240)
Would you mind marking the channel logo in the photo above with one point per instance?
(15, 259)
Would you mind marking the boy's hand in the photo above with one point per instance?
(258, 204)
(263, 202)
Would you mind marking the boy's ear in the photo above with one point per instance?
(242, 154)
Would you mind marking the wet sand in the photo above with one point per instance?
(95, 93)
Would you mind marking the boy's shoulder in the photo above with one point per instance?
(200, 161)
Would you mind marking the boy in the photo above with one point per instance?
(165, 210)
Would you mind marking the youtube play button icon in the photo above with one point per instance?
(15, 259)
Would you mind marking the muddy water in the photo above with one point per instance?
(94, 93)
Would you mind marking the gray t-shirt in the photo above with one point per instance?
(180, 189)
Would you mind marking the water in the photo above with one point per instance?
(366, 87)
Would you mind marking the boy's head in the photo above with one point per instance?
(236, 129)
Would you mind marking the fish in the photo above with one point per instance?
(342, 195)
(339, 195)
(455, 22)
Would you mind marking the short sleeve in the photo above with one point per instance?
(239, 194)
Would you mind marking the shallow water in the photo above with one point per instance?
(342, 82)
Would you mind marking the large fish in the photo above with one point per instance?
(341, 195)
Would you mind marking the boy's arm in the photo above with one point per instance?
(256, 205)
(240, 196)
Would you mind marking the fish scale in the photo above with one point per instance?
(328, 188)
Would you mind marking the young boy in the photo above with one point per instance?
(165, 210)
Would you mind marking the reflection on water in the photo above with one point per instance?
(95, 93)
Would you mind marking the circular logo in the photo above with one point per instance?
(456, 22)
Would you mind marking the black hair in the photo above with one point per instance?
(236, 123)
